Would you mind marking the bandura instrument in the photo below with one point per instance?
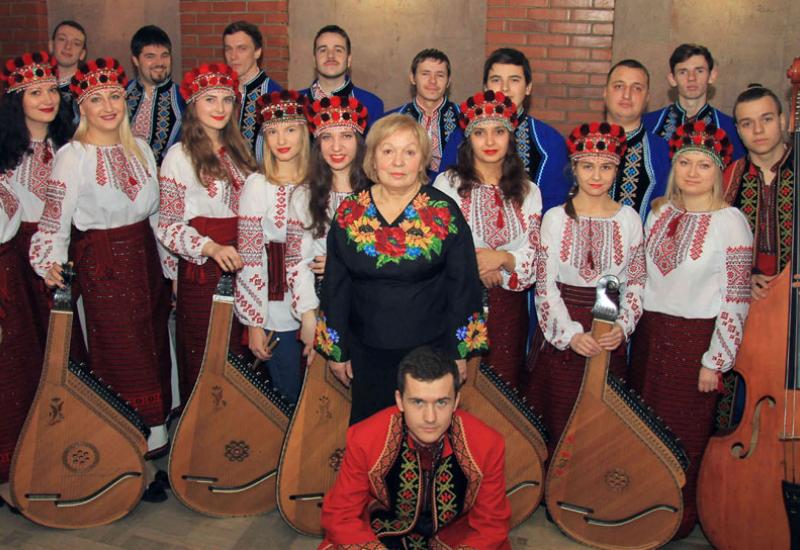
(79, 458)
(313, 449)
(615, 478)
(748, 490)
(224, 456)
(486, 395)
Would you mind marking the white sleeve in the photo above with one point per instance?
(174, 231)
(554, 319)
(252, 292)
(524, 274)
(299, 254)
(50, 243)
(736, 256)
(631, 307)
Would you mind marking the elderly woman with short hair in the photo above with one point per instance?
(401, 272)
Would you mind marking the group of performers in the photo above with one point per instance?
(397, 246)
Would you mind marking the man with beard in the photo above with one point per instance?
(155, 105)
(243, 46)
(332, 57)
(430, 79)
(691, 71)
(68, 47)
(643, 172)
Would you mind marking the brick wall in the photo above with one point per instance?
(24, 24)
(569, 45)
(202, 23)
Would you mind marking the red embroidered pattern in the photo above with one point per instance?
(35, 169)
(51, 215)
(458, 440)
(126, 175)
(541, 270)
(566, 239)
(8, 200)
(247, 301)
(173, 201)
(251, 240)
(591, 246)
(377, 475)
(280, 206)
(738, 261)
(728, 334)
(669, 251)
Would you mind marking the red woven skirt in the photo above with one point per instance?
(20, 353)
(665, 366)
(554, 376)
(43, 296)
(126, 299)
(196, 285)
(508, 328)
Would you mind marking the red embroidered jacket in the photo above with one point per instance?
(357, 513)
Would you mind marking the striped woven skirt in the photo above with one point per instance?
(508, 329)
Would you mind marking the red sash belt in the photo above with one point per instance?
(276, 267)
(100, 241)
(222, 231)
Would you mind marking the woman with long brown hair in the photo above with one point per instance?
(335, 171)
(504, 210)
(201, 181)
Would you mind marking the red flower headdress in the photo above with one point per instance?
(336, 111)
(283, 106)
(96, 75)
(597, 138)
(27, 70)
(488, 105)
(207, 77)
(705, 138)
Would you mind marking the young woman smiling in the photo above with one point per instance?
(104, 182)
(589, 236)
(503, 209)
(201, 181)
(267, 307)
(699, 258)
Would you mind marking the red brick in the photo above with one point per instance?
(188, 18)
(201, 52)
(571, 28)
(601, 55)
(506, 13)
(585, 116)
(547, 13)
(538, 78)
(570, 53)
(527, 26)
(255, 18)
(589, 66)
(547, 114)
(497, 3)
(568, 78)
(534, 52)
(189, 40)
(591, 41)
(538, 102)
(265, 6)
(603, 3)
(230, 5)
(566, 104)
(571, 3)
(505, 38)
(276, 17)
(548, 65)
(275, 39)
(550, 91)
(548, 39)
(195, 6)
(597, 104)
(209, 40)
(592, 15)
(197, 29)
(598, 80)
(585, 91)
(213, 18)
(529, 3)
(495, 25)
(604, 28)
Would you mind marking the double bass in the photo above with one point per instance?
(748, 491)
(615, 477)
(79, 460)
(224, 455)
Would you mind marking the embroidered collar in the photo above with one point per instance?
(701, 114)
(436, 110)
(635, 135)
(318, 92)
(258, 75)
(754, 170)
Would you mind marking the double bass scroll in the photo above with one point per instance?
(79, 461)
(615, 478)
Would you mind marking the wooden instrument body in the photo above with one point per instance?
(526, 450)
(224, 456)
(313, 449)
(612, 481)
(79, 461)
(746, 474)
(746, 466)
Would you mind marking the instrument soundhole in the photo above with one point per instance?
(80, 457)
(237, 451)
(335, 460)
(617, 480)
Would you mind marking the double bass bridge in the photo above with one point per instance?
(588, 518)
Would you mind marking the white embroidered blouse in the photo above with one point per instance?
(302, 247)
(29, 179)
(501, 225)
(93, 187)
(10, 212)
(698, 267)
(578, 253)
(263, 213)
(183, 198)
